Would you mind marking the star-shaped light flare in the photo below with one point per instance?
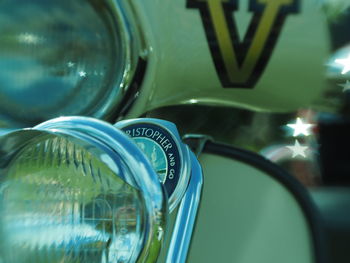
(346, 64)
(346, 86)
(82, 74)
(297, 149)
(300, 128)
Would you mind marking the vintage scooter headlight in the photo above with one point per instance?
(63, 57)
(78, 190)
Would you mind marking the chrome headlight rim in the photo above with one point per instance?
(135, 57)
(102, 135)
(119, 87)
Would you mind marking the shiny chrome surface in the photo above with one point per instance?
(186, 216)
(184, 152)
(120, 155)
(54, 63)
(5, 131)
(143, 172)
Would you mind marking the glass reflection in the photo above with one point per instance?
(67, 206)
(156, 155)
(57, 57)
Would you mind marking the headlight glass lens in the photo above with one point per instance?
(58, 57)
(64, 201)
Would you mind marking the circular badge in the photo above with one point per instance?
(161, 149)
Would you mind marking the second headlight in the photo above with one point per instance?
(77, 189)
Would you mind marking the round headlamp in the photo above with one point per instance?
(63, 57)
(78, 190)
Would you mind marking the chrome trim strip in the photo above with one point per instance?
(186, 217)
(6, 131)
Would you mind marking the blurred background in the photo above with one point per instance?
(114, 60)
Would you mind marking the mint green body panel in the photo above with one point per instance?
(246, 216)
(180, 66)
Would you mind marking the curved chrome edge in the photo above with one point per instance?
(200, 140)
(186, 217)
(145, 177)
(133, 44)
(184, 151)
(127, 26)
(5, 131)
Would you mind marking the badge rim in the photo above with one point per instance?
(183, 150)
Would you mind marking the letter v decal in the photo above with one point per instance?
(240, 64)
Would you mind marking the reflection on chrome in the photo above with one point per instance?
(186, 217)
(62, 200)
(75, 189)
(76, 209)
(71, 48)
